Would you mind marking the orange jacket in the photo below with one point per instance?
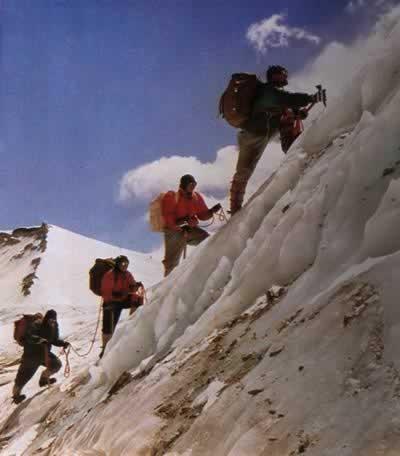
(175, 207)
(116, 285)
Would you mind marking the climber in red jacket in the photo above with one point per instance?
(119, 290)
(182, 211)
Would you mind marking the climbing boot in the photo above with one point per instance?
(46, 381)
(17, 397)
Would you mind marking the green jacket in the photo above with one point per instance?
(268, 106)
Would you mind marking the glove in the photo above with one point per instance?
(182, 220)
(216, 208)
(66, 344)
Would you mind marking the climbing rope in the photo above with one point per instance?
(141, 292)
(208, 224)
(67, 369)
(145, 300)
(82, 355)
(184, 244)
(221, 216)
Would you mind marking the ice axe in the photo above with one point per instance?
(297, 127)
(320, 96)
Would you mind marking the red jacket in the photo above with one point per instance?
(117, 284)
(176, 205)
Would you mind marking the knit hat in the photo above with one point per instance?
(121, 259)
(186, 180)
(277, 75)
(51, 315)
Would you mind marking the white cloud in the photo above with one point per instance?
(152, 178)
(272, 33)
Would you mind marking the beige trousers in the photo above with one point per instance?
(175, 242)
(251, 148)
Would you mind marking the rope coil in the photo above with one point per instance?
(66, 352)
(67, 371)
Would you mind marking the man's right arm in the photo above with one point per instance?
(294, 100)
(271, 99)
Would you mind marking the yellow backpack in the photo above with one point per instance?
(156, 219)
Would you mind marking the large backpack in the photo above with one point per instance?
(156, 218)
(236, 102)
(97, 271)
(22, 325)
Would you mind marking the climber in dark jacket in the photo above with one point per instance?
(270, 103)
(39, 338)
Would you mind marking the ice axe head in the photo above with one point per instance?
(321, 94)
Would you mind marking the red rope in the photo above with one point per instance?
(67, 369)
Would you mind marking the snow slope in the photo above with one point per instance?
(60, 261)
(279, 335)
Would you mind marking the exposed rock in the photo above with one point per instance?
(7, 239)
(276, 351)
(254, 392)
(27, 282)
(123, 380)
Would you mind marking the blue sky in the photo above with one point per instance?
(90, 90)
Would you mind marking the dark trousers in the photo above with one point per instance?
(111, 314)
(30, 364)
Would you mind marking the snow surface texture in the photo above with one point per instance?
(241, 371)
(343, 211)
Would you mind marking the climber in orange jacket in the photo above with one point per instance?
(181, 212)
(119, 290)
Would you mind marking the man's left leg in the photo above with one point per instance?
(174, 243)
(53, 365)
(251, 148)
(116, 313)
(26, 371)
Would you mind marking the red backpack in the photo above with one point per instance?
(21, 326)
(96, 273)
(236, 103)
